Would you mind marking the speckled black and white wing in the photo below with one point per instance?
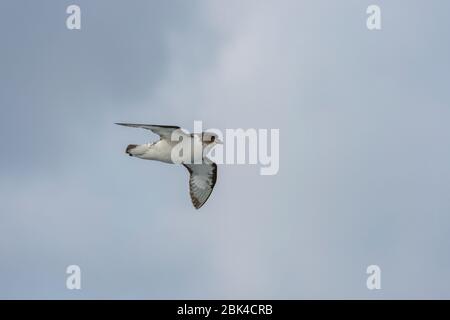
(201, 181)
(164, 132)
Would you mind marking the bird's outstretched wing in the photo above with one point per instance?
(165, 132)
(201, 181)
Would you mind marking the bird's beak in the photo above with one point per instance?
(219, 141)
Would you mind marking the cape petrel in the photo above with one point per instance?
(203, 174)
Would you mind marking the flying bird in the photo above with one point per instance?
(203, 175)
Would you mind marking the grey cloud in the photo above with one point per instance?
(363, 125)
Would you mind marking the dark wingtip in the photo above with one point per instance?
(197, 207)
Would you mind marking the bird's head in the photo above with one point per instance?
(211, 139)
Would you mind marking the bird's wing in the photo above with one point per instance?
(201, 181)
(165, 132)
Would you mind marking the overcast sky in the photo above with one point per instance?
(364, 149)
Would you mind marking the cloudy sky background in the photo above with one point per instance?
(364, 153)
